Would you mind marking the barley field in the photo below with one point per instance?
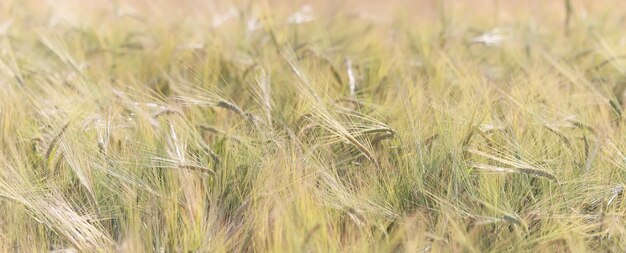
(312, 126)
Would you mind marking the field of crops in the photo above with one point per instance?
(319, 126)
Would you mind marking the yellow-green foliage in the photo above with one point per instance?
(281, 126)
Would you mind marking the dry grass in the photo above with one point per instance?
(286, 126)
